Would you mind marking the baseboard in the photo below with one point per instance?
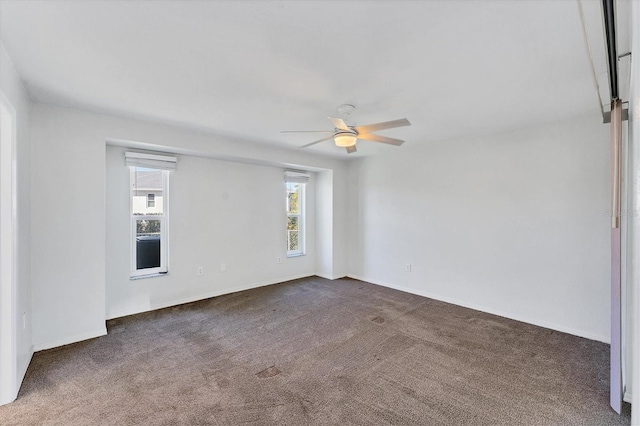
(330, 277)
(627, 397)
(8, 400)
(551, 326)
(23, 369)
(204, 296)
(68, 340)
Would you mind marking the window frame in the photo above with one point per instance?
(164, 228)
(301, 251)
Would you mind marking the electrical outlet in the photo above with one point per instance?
(223, 267)
(200, 271)
(279, 260)
(407, 267)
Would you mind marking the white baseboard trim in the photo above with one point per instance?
(627, 397)
(204, 296)
(22, 371)
(7, 400)
(330, 277)
(551, 326)
(68, 340)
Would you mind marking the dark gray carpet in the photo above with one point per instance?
(314, 351)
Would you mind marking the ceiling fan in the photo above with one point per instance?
(346, 136)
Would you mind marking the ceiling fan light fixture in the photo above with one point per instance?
(345, 136)
(345, 139)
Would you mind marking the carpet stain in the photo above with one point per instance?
(378, 320)
(268, 372)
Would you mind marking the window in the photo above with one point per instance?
(295, 186)
(149, 213)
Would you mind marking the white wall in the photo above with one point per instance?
(68, 231)
(514, 223)
(324, 224)
(332, 250)
(68, 204)
(633, 261)
(343, 219)
(626, 278)
(15, 93)
(220, 212)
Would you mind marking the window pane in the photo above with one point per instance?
(293, 233)
(148, 243)
(293, 197)
(292, 240)
(295, 218)
(147, 191)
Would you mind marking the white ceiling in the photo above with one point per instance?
(249, 69)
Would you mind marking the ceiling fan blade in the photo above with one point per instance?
(306, 131)
(339, 123)
(351, 149)
(380, 126)
(378, 138)
(318, 141)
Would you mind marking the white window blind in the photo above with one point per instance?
(152, 161)
(291, 176)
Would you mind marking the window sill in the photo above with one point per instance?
(296, 254)
(142, 277)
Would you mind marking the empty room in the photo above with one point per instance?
(319, 212)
